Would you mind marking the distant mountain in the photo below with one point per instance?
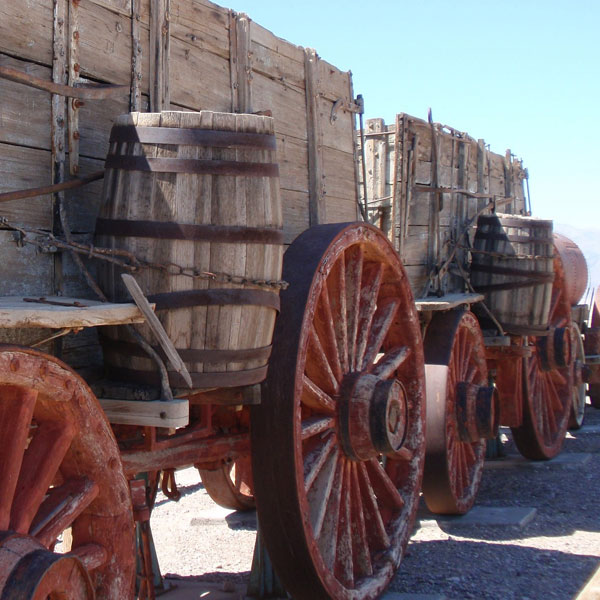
(588, 239)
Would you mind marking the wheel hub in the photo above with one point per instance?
(373, 416)
(476, 412)
(556, 348)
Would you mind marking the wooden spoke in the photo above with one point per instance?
(382, 321)
(354, 268)
(344, 564)
(390, 362)
(314, 397)
(43, 457)
(61, 507)
(16, 410)
(329, 333)
(384, 488)
(371, 283)
(336, 292)
(360, 547)
(335, 509)
(316, 460)
(92, 556)
(325, 499)
(316, 426)
(317, 365)
(377, 534)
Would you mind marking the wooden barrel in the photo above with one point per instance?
(195, 193)
(512, 264)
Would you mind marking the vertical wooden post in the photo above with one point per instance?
(239, 63)
(399, 185)
(316, 202)
(481, 160)
(508, 182)
(57, 131)
(159, 55)
(73, 104)
(136, 58)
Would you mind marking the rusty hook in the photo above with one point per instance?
(169, 485)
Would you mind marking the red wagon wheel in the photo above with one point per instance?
(231, 485)
(60, 470)
(548, 385)
(577, 412)
(459, 407)
(338, 441)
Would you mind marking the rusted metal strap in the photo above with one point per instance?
(512, 222)
(199, 380)
(192, 137)
(191, 165)
(520, 239)
(190, 355)
(51, 189)
(535, 276)
(513, 285)
(82, 91)
(216, 297)
(169, 230)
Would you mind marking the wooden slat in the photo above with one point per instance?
(153, 413)
(16, 312)
(447, 301)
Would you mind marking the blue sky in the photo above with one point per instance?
(522, 75)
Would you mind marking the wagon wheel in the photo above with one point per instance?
(59, 469)
(548, 380)
(231, 485)
(338, 442)
(592, 346)
(577, 412)
(459, 405)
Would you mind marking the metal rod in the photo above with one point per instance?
(81, 91)
(51, 189)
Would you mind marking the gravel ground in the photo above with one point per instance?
(551, 557)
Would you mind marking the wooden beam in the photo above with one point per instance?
(159, 55)
(446, 302)
(153, 413)
(16, 312)
(240, 63)
(316, 202)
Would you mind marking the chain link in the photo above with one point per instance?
(129, 262)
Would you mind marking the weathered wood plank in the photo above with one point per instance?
(153, 413)
(16, 312)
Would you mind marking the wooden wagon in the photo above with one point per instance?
(337, 429)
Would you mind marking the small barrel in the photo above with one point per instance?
(512, 265)
(574, 267)
(195, 194)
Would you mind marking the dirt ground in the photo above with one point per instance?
(550, 557)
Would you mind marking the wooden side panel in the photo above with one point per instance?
(426, 224)
(202, 76)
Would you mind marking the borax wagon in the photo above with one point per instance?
(338, 312)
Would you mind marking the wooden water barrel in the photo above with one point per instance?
(512, 265)
(195, 193)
